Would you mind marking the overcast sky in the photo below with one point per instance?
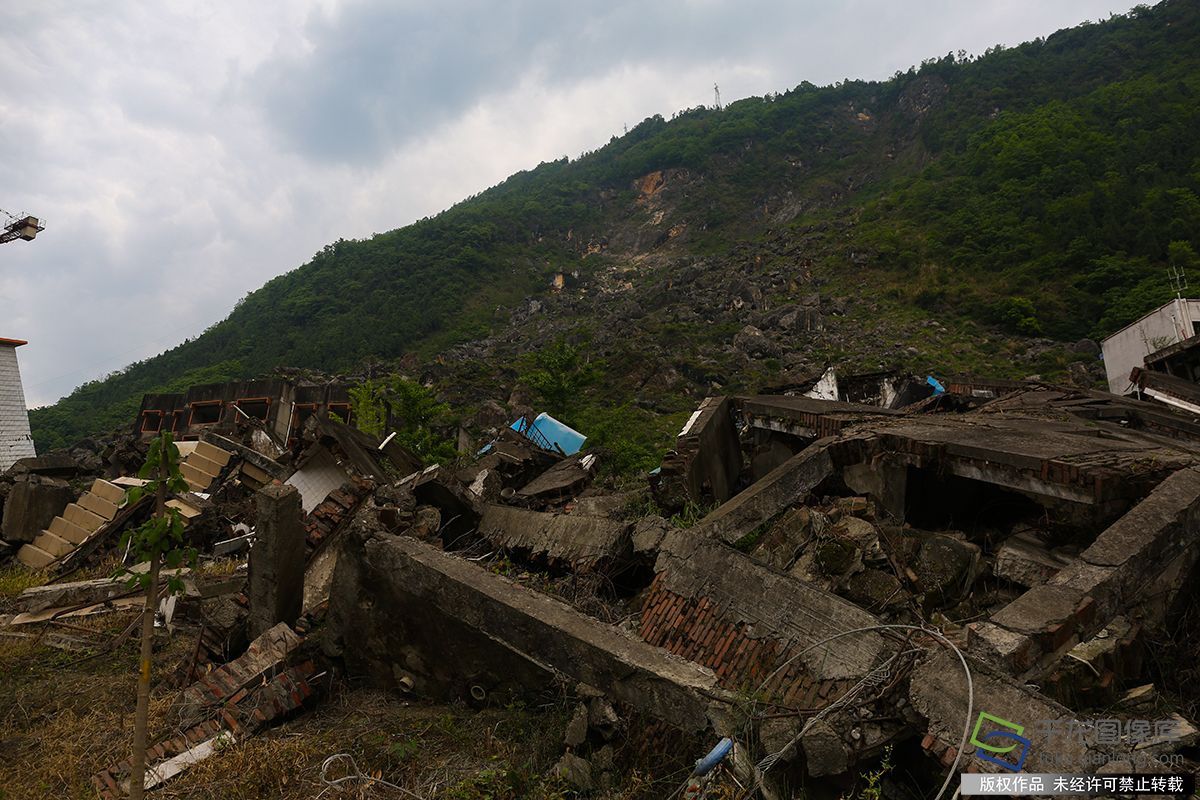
(181, 154)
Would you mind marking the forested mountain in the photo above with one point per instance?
(973, 213)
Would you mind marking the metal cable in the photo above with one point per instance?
(355, 774)
(935, 634)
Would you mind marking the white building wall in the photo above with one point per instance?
(1128, 347)
(16, 441)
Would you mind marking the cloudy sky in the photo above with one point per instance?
(183, 153)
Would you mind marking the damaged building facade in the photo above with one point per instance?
(281, 406)
(16, 441)
(861, 578)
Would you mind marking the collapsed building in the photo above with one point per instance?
(818, 581)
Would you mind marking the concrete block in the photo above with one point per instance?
(54, 545)
(1041, 607)
(98, 506)
(186, 510)
(255, 474)
(1025, 561)
(34, 557)
(83, 518)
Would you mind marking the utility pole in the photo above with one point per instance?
(1179, 282)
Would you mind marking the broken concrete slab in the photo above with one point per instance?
(436, 486)
(1026, 561)
(61, 595)
(58, 465)
(1061, 741)
(561, 481)
(584, 542)
(648, 535)
(1165, 522)
(1080, 599)
(785, 485)
(400, 606)
(273, 468)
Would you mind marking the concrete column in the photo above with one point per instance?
(277, 560)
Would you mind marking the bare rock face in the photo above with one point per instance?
(923, 95)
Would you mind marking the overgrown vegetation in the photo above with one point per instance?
(1039, 189)
(576, 390)
(397, 404)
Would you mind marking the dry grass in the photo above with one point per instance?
(15, 579)
(65, 715)
(63, 718)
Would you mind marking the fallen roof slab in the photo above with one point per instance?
(583, 542)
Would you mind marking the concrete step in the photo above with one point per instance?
(83, 518)
(213, 453)
(34, 557)
(107, 491)
(255, 474)
(54, 545)
(98, 506)
(203, 464)
(197, 479)
(186, 510)
(65, 529)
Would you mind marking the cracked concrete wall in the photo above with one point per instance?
(400, 607)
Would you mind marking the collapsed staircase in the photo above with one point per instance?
(81, 520)
(200, 464)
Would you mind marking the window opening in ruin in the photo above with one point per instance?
(205, 413)
(255, 407)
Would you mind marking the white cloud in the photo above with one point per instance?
(181, 155)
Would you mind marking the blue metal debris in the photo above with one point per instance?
(550, 434)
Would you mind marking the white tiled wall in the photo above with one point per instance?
(319, 476)
(15, 439)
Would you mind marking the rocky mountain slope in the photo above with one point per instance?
(990, 214)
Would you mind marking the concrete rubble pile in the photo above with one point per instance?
(801, 576)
